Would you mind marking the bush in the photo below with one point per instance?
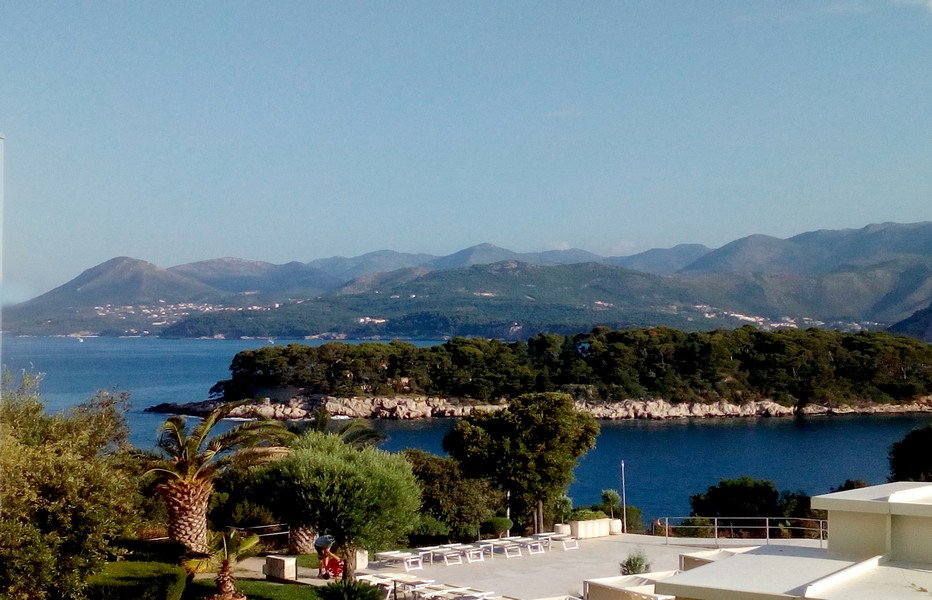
(635, 564)
(160, 551)
(496, 526)
(349, 590)
(137, 580)
(694, 527)
(585, 514)
(254, 589)
(429, 531)
(634, 519)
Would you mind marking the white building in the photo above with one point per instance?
(879, 548)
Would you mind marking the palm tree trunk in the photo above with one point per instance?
(187, 512)
(301, 539)
(226, 581)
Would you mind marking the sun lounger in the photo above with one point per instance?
(387, 556)
(486, 546)
(450, 555)
(533, 546)
(509, 547)
(395, 580)
(474, 555)
(465, 594)
(545, 538)
(442, 591)
(427, 552)
(431, 591)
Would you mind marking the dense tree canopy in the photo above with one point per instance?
(742, 497)
(458, 504)
(911, 457)
(64, 494)
(732, 501)
(794, 367)
(528, 449)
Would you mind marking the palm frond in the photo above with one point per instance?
(172, 435)
(203, 429)
(359, 434)
(250, 434)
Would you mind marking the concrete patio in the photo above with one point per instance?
(555, 574)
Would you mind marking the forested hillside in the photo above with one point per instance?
(793, 367)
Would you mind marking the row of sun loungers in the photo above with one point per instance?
(426, 589)
(455, 554)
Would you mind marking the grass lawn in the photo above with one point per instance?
(308, 561)
(253, 589)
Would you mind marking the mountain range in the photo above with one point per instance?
(877, 276)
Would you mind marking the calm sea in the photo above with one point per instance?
(665, 461)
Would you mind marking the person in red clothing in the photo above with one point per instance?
(322, 545)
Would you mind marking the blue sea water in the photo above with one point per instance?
(665, 461)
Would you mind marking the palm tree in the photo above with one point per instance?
(223, 552)
(190, 462)
(355, 432)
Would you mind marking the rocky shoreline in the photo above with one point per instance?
(426, 407)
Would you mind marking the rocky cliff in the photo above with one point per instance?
(425, 407)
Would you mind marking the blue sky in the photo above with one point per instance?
(277, 131)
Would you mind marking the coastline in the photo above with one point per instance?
(428, 407)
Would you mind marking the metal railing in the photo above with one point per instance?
(740, 528)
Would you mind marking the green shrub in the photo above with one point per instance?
(27, 562)
(585, 514)
(635, 564)
(430, 531)
(496, 525)
(137, 580)
(161, 551)
(349, 590)
(253, 589)
(694, 527)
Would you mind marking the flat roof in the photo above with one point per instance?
(901, 497)
(768, 572)
(889, 581)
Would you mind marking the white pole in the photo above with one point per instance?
(624, 501)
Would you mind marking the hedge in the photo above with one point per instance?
(137, 580)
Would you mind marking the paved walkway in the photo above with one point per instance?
(555, 574)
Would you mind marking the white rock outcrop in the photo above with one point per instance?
(428, 407)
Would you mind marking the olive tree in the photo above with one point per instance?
(64, 496)
(363, 497)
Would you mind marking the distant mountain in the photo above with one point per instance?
(382, 261)
(486, 254)
(662, 261)
(819, 252)
(124, 281)
(106, 298)
(385, 261)
(237, 275)
(919, 325)
(868, 277)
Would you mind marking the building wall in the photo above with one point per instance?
(912, 539)
(595, 591)
(857, 533)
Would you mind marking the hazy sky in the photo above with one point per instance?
(182, 131)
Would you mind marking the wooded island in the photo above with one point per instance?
(791, 367)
